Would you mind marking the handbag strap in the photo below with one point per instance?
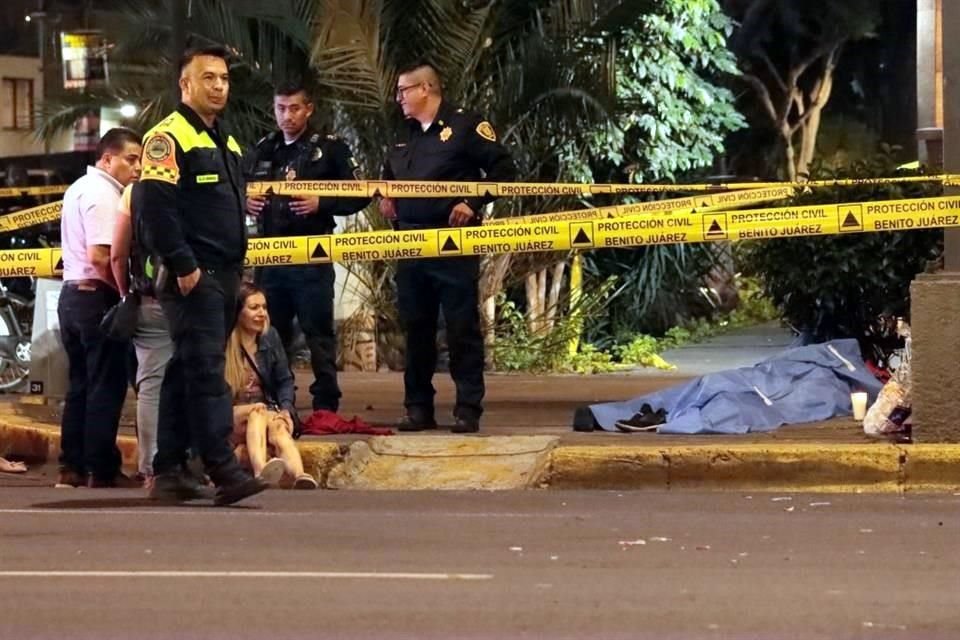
(264, 384)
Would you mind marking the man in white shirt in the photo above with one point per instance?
(97, 379)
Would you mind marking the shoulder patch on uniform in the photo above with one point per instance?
(315, 138)
(485, 130)
(330, 136)
(160, 159)
(158, 148)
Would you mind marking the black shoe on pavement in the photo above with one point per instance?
(119, 481)
(237, 490)
(466, 424)
(417, 419)
(70, 479)
(178, 487)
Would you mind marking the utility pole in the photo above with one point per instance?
(935, 298)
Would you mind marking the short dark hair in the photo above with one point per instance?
(215, 51)
(115, 140)
(418, 64)
(292, 88)
(421, 64)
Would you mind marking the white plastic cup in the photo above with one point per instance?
(859, 402)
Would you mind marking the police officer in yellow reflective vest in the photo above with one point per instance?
(191, 201)
(441, 142)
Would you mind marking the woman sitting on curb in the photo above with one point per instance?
(262, 385)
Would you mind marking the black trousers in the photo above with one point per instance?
(97, 383)
(307, 294)
(196, 408)
(425, 287)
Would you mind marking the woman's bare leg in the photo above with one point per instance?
(256, 437)
(286, 448)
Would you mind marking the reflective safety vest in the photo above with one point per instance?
(207, 174)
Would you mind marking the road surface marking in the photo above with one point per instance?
(211, 511)
(348, 575)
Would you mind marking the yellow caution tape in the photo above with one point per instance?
(31, 217)
(628, 231)
(704, 202)
(16, 192)
(15, 263)
(429, 189)
(698, 204)
(737, 194)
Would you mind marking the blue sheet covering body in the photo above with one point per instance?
(803, 384)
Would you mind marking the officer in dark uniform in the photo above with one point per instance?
(441, 142)
(191, 198)
(296, 152)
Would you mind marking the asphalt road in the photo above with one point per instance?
(83, 564)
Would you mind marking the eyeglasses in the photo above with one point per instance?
(401, 91)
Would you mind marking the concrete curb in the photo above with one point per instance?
(844, 468)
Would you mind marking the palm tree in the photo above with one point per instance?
(269, 41)
(540, 70)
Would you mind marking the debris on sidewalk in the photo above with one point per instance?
(889, 416)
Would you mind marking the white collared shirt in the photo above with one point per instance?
(89, 210)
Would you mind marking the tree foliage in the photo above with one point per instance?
(672, 113)
(603, 90)
(789, 51)
(839, 286)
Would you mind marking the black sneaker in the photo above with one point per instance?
(645, 420)
(118, 481)
(417, 419)
(237, 490)
(70, 479)
(466, 424)
(178, 487)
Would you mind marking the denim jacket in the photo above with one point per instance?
(273, 365)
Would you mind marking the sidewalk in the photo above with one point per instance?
(527, 439)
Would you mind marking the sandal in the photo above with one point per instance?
(305, 481)
(6, 466)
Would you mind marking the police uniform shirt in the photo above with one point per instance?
(193, 194)
(312, 156)
(457, 146)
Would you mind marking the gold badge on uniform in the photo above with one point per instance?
(485, 129)
(445, 134)
(291, 174)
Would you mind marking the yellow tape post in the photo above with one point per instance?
(698, 204)
(629, 231)
(31, 217)
(16, 192)
(431, 189)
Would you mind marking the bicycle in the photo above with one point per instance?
(16, 320)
